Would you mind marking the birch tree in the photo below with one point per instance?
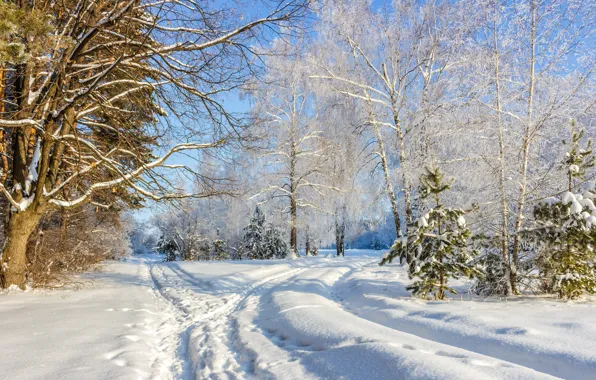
(296, 159)
(392, 62)
(532, 72)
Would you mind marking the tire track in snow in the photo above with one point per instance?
(169, 364)
(228, 357)
(201, 351)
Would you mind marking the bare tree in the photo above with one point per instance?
(393, 63)
(295, 164)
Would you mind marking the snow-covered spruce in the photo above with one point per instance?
(437, 247)
(262, 242)
(252, 240)
(566, 229)
(220, 250)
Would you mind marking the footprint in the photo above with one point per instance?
(409, 347)
(450, 355)
(302, 343)
(511, 331)
(111, 355)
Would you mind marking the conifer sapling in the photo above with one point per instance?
(437, 246)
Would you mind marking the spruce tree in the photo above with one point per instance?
(566, 229)
(252, 240)
(220, 249)
(203, 252)
(437, 247)
(275, 247)
(376, 243)
(167, 247)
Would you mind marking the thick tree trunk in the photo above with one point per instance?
(14, 255)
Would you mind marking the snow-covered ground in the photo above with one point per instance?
(313, 318)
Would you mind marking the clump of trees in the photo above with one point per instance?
(263, 241)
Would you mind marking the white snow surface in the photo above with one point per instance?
(312, 318)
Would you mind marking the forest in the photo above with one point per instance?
(457, 134)
(297, 189)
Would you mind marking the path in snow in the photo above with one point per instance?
(314, 318)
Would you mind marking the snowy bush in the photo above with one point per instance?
(68, 243)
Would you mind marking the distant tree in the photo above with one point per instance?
(275, 246)
(167, 246)
(220, 251)
(297, 158)
(376, 243)
(253, 240)
(220, 248)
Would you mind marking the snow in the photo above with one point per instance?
(33, 174)
(576, 207)
(567, 197)
(461, 221)
(311, 318)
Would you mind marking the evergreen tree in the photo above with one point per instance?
(566, 229)
(275, 246)
(220, 249)
(167, 247)
(376, 243)
(203, 251)
(578, 160)
(437, 244)
(252, 240)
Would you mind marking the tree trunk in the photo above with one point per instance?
(525, 151)
(502, 194)
(340, 228)
(404, 173)
(293, 231)
(14, 256)
(307, 243)
(388, 185)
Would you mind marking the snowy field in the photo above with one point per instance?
(313, 318)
